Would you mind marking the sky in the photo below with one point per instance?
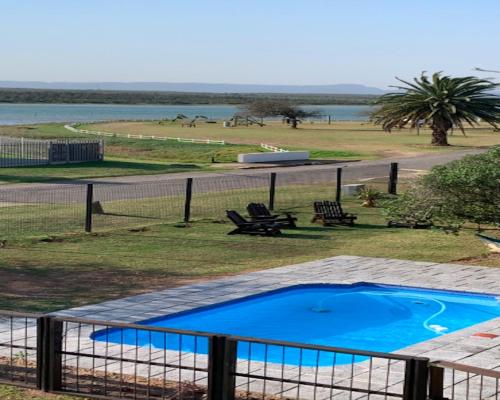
(298, 42)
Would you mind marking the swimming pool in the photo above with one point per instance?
(360, 316)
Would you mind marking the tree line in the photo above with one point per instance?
(173, 98)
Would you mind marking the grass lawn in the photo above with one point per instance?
(37, 274)
(343, 140)
(14, 393)
(107, 168)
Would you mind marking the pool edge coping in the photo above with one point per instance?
(152, 305)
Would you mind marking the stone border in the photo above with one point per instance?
(459, 346)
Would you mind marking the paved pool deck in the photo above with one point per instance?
(461, 346)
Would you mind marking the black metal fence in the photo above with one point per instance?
(21, 152)
(102, 359)
(456, 381)
(64, 208)
(20, 349)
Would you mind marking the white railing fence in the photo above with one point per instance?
(74, 128)
(273, 148)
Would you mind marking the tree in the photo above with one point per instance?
(466, 190)
(440, 102)
(278, 108)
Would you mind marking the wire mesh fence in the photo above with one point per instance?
(19, 340)
(48, 209)
(40, 210)
(291, 371)
(212, 197)
(104, 359)
(456, 382)
(128, 205)
(129, 361)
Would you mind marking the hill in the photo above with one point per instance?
(194, 87)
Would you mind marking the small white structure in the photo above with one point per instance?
(352, 189)
(275, 156)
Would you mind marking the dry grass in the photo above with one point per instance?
(359, 137)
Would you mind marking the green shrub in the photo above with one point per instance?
(466, 190)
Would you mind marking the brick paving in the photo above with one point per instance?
(375, 373)
(460, 346)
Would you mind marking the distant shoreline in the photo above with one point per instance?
(118, 97)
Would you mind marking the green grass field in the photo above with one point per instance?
(339, 141)
(46, 273)
(356, 139)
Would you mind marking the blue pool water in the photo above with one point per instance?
(360, 316)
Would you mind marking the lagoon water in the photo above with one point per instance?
(20, 114)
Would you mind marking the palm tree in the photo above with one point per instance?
(440, 102)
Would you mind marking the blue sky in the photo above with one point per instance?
(246, 41)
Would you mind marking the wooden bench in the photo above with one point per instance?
(259, 212)
(263, 228)
(330, 213)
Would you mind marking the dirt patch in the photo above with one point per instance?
(55, 289)
(96, 382)
(398, 153)
(52, 239)
(492, 259)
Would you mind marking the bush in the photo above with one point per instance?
(369, 196)
(466, 190)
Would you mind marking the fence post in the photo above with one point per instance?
(416, 378)
(222, 368)
(54, 359)
(101, 150)
(88, 209)
(49, 358)
(67, 153)
(187, 203)
(338, 193)
(393, 178)
(41, 353)
(272, 190)
(436, 383)
(49, 152)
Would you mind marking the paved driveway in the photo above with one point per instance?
(148, 186)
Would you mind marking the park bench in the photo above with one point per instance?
(330, 212)
(259, 212)
(264, 228)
